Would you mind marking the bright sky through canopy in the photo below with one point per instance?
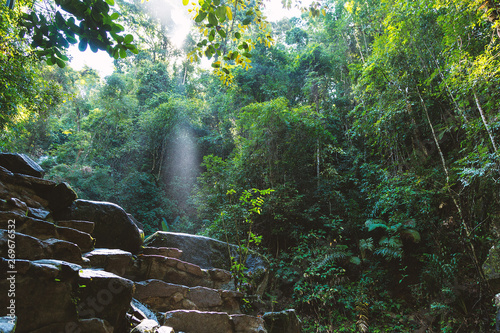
(103, 63)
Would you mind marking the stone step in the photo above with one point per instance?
(82, 239)
(115, 261)
(193, 321)
(167, 269)
(162, 251)
(84, 226)
(30, 248)
(42, 230)
(161, 296)
(180, 272)
(27, 225)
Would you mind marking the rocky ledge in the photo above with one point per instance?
(71, 265)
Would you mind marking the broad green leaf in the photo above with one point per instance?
(128, 39)
(93, 47)
(60, 63)
(114, 16)
(110, 2)
(212, 19)
(82, 46)
(72, 39)
(221, 13)
(201, 16)
(247, 21)
(222, 33)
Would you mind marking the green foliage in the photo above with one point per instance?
(93, 22)
(241, 214)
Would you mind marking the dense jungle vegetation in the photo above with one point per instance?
(373, 126)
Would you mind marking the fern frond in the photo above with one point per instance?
(366, 244)
(390, 248)
(372, 224)
(389, 253)
(392, 242)
(362, 322)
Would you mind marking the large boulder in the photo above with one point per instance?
(282, 322)
(204, 251)
(59, 196)
(21, 163)
(13, 186)
(113, 227)
(35, 192)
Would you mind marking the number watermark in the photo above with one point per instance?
(11, 273)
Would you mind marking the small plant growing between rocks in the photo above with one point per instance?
(250, 203)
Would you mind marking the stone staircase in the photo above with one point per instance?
(58, 281)
(183, 296)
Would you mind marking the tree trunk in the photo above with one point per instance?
(484, 121)
(465, 227)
